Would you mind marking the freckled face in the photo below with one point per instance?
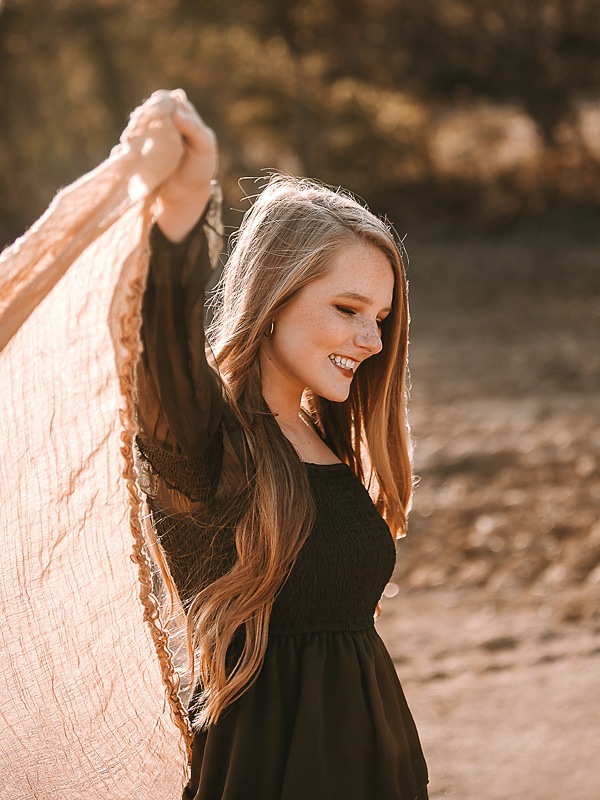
(331, 326)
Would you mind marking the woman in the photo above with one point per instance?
(257, 475)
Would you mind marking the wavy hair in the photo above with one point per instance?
(287, 239)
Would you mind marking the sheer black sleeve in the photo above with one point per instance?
(178, 397)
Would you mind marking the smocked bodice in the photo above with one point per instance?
(342, 569)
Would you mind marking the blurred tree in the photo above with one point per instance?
(350, 91)
(541, 53)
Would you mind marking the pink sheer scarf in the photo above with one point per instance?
(83, 710)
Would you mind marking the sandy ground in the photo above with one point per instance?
(495, 627)
(507, 702)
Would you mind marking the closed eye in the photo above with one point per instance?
(349, 312)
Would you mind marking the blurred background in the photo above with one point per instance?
(475, 126)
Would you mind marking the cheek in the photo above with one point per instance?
(311, 330)
(306, 331)
(325, 335)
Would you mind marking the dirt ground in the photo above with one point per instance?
(493, 615)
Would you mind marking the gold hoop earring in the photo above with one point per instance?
(271, 329)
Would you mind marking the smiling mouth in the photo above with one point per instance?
(346, 365)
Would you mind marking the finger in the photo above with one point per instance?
(161, 98)
(193, 129)
(162, 94)
(158, 108)
(188, 110)
(179, 95)
(159, 102)
(185, 106)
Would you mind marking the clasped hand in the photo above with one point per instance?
(182, 197)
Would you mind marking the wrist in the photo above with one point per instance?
(177, 216)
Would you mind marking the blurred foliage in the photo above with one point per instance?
(482, 110)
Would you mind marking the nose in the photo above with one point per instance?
(369, 338)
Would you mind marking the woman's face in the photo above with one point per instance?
(330, 326)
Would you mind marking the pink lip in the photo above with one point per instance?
(348, 373)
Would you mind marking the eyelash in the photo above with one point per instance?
(350, 312)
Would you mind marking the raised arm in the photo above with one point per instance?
(178, 397)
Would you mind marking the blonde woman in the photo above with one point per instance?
(278, 477)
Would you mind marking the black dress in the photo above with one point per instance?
(326, 718)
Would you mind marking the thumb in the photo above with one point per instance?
(193, 129)
(183, 121)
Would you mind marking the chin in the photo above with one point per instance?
(333, 395)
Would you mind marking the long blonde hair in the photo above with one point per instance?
(287, 239)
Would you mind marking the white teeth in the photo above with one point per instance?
(345, 363)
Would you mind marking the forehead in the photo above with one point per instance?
(359, 269)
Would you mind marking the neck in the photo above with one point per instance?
(283, 397)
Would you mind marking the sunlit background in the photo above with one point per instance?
(475, 126)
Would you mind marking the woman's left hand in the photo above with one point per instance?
(183, 196)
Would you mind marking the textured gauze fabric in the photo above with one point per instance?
(83, 712)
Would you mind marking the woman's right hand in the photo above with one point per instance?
(183, 196)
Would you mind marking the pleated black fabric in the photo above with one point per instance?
(327, 718)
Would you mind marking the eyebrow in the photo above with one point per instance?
(361, 298)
